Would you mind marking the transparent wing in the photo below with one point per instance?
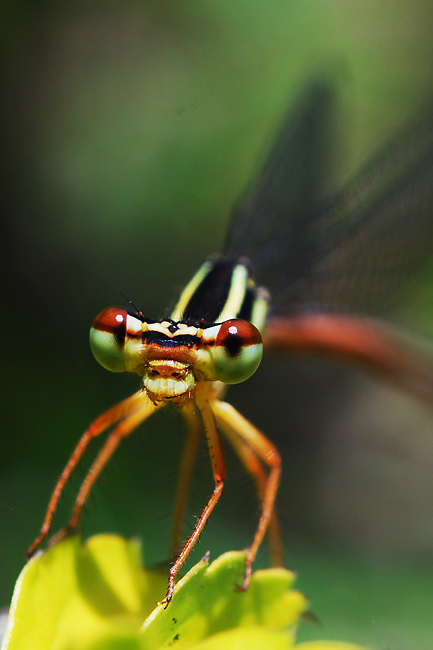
(284, 194)
(353, 252)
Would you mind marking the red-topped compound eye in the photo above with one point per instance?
(238, 351)
(107, 338)
(113, 321)
(236, 334)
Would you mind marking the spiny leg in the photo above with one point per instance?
(254, 467)
(195, 430)
(219, 471)
(103, 422)
(123, 429)
(226, 415)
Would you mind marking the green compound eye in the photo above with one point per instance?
(107, 338)
(238, 351)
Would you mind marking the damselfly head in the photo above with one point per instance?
(162, 353)
(172, 357)
(198, 342)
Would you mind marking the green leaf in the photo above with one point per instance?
(79, 596)
(96, 596)
(207, 602)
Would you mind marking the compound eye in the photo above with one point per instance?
(107, 338)
(238, 351)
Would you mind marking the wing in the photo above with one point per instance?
(321, 260)
(285, 192)
(351, 253)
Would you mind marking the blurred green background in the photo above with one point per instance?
(128, 130)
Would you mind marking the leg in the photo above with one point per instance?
(254, 467)
(123, 429)
(137, 403)
(195, 428)
(219, 471)
(228, 417)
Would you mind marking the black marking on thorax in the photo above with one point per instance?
(209, 298)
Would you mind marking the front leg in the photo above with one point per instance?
(120, 431)
(228, 418)
(102, 423)
(254, 466)
(219, 472)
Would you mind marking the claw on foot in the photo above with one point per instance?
(62, 534)
(165, 602)
(34, 547)
(65, 532)
(169, 596)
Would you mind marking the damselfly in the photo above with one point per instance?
(316, 266)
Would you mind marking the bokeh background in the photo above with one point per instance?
(127, 132)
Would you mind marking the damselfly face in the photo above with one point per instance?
(172, 356)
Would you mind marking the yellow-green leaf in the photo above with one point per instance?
(78, 596)
(207, 602)
(97, 596)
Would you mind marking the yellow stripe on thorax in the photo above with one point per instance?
(189, 290)
(260, 309)
(236, 294)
